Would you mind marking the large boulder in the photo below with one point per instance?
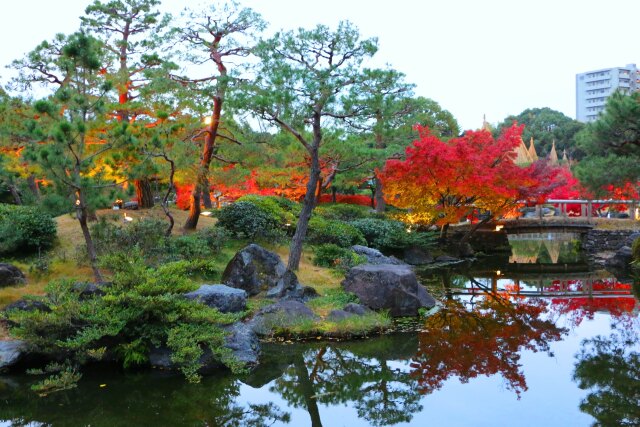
(255, 270)
(225, 298)
(11, 352)
(10, 275)
(374, 256)
(283, 314)
(388, 287)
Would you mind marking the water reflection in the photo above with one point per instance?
(609, 368)
(143, 399)
(472, 336)
(485, 327)
(545, 248)
(357, 374)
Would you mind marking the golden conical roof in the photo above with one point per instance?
(522, 154)
(553, 154)
(532, 151)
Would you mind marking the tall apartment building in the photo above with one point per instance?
(594, 87)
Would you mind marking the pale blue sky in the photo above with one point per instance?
(493, 57)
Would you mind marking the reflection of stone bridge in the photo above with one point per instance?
(521, 284)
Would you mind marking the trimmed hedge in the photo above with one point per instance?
(343, 212)
(25, 229)
(249, 219)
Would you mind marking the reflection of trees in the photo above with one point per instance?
(609, 367)
(468, 338)
(381, 394)
(139, 399)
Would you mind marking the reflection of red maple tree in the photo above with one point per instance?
(485, 339)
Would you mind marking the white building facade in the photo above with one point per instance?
(594, 87)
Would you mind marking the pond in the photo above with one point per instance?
(506, 347)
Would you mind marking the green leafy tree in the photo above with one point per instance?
(612, 144)
(131, 31)
(216, 37)
(301, 81)
(71, 138)
(545, 125)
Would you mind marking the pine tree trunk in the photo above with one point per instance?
(81, 214)
(194, 210)
(33, 186)
(308, 203)
(206, 195)
(15, 194)
(144, 193)
(381, 205)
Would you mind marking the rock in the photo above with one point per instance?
(391, 287)
(243, 342)
(225, 298)
(255, 269)
(337, 315)
(27, 305)
(417, 256)
(11, 352)
(88, 290)
(621, 260)
(374, 256)
(283, 314)
(357, 309)
(446, 258)
(10, 275)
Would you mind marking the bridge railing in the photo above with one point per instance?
(589, 206)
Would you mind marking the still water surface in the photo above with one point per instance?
(525, 350)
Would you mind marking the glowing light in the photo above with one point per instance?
(127, 218)
(207, 213)
(498, 272)
(207, 120)
(499, 227)
(78, 202)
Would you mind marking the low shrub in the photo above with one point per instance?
(635, 252)
(343, 212)
(143, 308)
(333, 256)
(386, 234)
(337, 232)
(25, 229)
(248, 219)
(147, 237)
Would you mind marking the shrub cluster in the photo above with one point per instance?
(249, 220)
(387, 234)
(333, 256)
(142, 309)
(25, 229)
(343, 212)
(147, 237)
(330, 231)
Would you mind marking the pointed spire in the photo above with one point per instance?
(522, 155)
(553, 154)
(532, 151)
(485, 125)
